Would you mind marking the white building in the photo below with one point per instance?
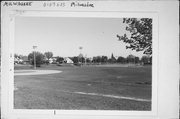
(68, 60)
(52, 60)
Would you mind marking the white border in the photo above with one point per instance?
(110, 10)
(107, 15)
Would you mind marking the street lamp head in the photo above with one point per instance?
(80, 47)
(34, 47)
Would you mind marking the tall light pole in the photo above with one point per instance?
(34, 47)
(80, 48)
(85, 58)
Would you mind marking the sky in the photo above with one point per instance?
(63, 36)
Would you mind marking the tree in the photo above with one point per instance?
(75, 59)
(104, 59)
(140, 38)
(94, 60)
(18, 56)
(81, 58)
(97, 59)
(146, 59)
(39, 58)
(130, 59)
(121, 59)
(60, 60)
(88, 60)
(48, 55)
(136, 59)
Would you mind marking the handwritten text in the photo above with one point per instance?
(17, 4)
(78, 4)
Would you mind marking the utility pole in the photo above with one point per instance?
(34, 47)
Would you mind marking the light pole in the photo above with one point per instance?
(34, 47)
(85, 59)
(80, 48)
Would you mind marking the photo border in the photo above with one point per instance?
(8, 21)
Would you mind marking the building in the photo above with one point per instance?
(68, 60)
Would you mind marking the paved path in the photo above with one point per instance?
(35, 72)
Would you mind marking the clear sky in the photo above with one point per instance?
(64, 36)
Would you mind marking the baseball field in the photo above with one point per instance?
(97, 87)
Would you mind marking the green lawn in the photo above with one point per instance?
(55, 91)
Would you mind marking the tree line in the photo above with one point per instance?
(44, 58)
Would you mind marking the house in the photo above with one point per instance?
(68, 60)
(17, 60)
(52, 60)
(25, 60)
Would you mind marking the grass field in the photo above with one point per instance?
(85, 88)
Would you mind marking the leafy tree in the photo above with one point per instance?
(146, 59)
(88, 60)
(104, 59)
(81, 58)
(18, 56)
(48, 55)
(140, 38)
(60, 60)
(97, 59)
(136, 59)
(94, 60)
(121, 59)
(75, 59)
(39, 58)
(130, 58)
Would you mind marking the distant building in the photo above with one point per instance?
(52, 60)
(25, 60)
(68, 60)
(22, 60)
(113, 59)
(17, 60)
